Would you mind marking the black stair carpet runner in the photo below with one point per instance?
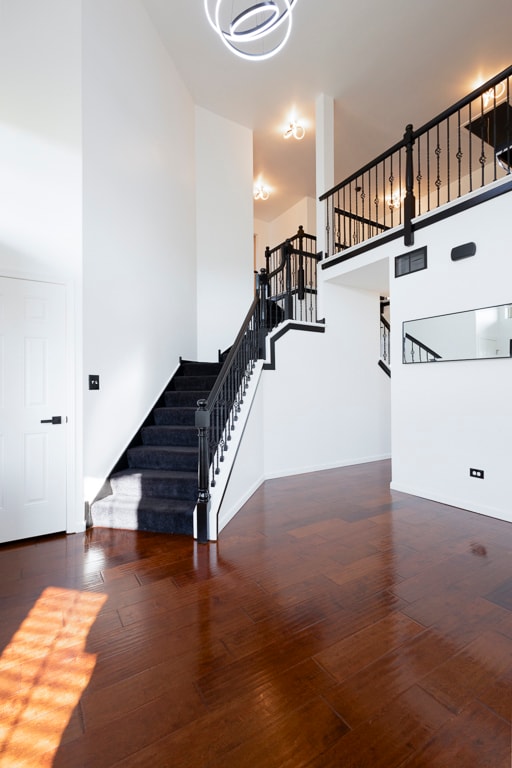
(157, 490)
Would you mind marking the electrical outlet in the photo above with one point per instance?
(94, 381)
(476, 473)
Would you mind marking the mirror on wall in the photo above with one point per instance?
(471, 335)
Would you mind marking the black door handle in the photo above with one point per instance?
(53, 420)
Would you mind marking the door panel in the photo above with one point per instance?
(32, 390)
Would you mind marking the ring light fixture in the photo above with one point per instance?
(257, 32)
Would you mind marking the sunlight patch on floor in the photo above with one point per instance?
(43, 672)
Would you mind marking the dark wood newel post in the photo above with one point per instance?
(262, 288)
(203, 471)
(300, 271)
(409, 201)
(288, 302)
(267, 259)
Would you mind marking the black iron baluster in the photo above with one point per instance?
(376, 198)
(400, 187)
(418, 175)
(391, 180)
(438, 181)
(448, 160)
(459, 156)
(482, 159)
(428, 171)
(470, 153)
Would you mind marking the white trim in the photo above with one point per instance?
(322, 467)
(225, 516)
(75, 517)
(449, 501)
(216, 520)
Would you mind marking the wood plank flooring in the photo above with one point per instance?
(335, 623)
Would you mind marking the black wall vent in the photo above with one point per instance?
(413, 261)
(463, 251)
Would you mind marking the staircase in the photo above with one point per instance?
(155, 485)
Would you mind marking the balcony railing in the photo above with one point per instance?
(466, 147)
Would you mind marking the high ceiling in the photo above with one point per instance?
(385, 64)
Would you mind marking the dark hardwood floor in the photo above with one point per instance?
(334, 624)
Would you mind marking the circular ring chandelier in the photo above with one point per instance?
(257, 32)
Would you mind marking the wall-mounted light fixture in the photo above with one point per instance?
(257, 32)
(493, 94)
(295, 129)
(394, 201)
(261, 190)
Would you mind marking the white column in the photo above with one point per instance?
(324, 162)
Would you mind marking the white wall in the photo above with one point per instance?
(40, 136)
(327, 402)
(450, 416)
(246, 467)
(41, 173)
(223, 178)
(139, 225)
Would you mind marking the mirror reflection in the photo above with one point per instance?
(472, 335)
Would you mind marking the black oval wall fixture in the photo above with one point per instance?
(463, 251)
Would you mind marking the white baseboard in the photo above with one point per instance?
(226, 515)
(321, 467)
(452, 501)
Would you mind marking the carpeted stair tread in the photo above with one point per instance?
(180, 398)
(169, 435)
(194, 383)
(190, 368)
(146, 514)
(163, 483)
(158, 491)
(181, 457)
(185, 416)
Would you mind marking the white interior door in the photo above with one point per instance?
(32, 399)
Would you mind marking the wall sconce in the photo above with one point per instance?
(493, 94)
(394, 201)
(261, 191)
(295, 129)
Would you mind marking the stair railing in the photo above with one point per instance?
(414, 351)
(283, 288)
(466, 147)
(216, 417)
(292, 278)
(385, 351)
